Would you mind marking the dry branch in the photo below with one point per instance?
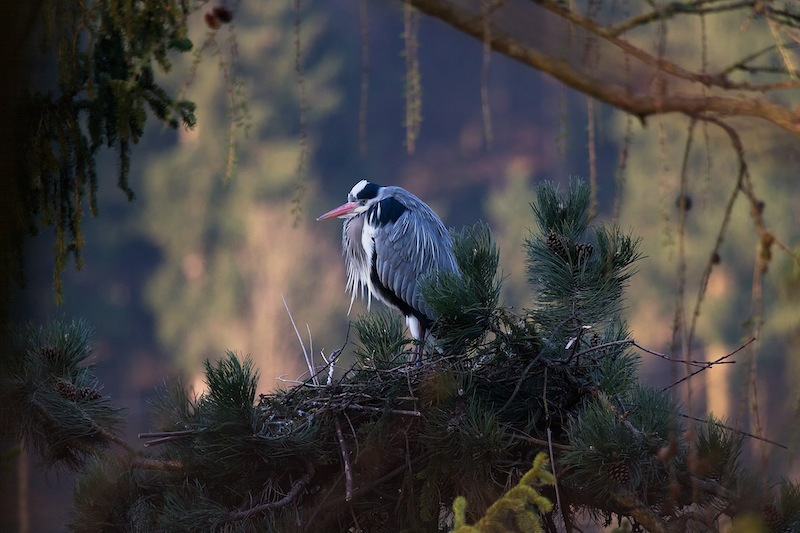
(731, 99)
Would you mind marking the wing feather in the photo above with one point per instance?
(414, 245)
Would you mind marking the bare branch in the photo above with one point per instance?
(710, 364)
(745, 433)
(642, 103)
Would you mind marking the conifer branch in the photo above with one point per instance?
(148, 463)
(621, 417)
(104, 434)
(294, 492)
(645, 516)
(161, 437)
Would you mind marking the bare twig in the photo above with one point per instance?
(710, 364)
(650, 351)
(309, 359)
(348, 474)
(519, 382)
(555, 475)
(357, 407)
(745, 433)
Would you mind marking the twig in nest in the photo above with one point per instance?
(710, 364)
(519, 382)
(555, 476)
(309, 361)
(348, 473)
(359, 407)
(293, 493)
(148, 463)
(540, 442)
(160, 437)
(314, 382)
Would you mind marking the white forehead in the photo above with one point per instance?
(357, 188)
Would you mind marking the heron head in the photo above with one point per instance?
(361, 197)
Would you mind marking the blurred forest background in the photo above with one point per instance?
(201, 260)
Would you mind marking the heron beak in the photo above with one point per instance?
(340, 211)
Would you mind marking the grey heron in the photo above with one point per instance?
(390, 240)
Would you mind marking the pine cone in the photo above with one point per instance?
(620, 473)
(67, 390)
(556, 245)
(584, 250)
(89, 393)
(51, 352)
(773, 517)
(594, 341)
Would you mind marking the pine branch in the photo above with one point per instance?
(294, 492)
(630, 504)
(148, 463)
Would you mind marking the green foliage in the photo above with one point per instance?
(789, 498)
(466, 304)
(100, 500)
(516, 510)
(386, 447)
(577, 285)
(718, 450)
(624, 433)
(383, 331)
(104, 88)
(231, 389)
(51, 398)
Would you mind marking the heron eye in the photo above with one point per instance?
(362, 202)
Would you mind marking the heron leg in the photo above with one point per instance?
(419, 349)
